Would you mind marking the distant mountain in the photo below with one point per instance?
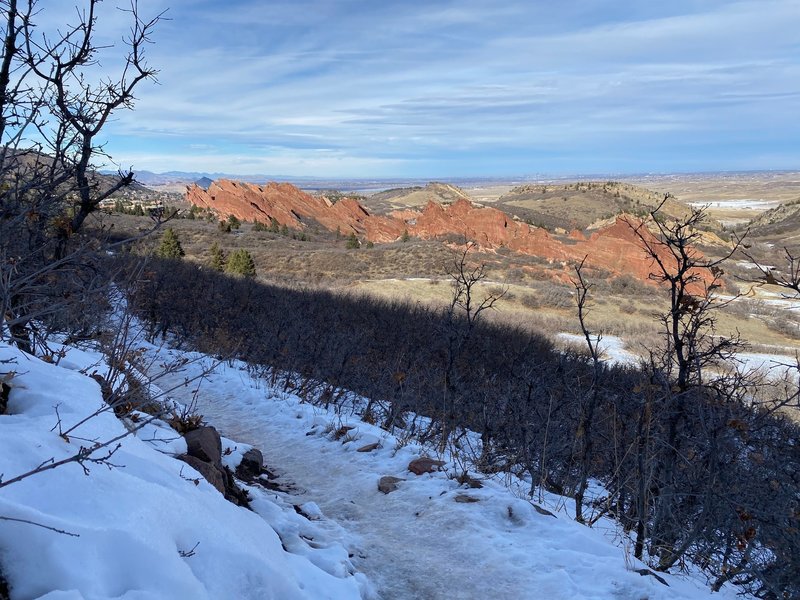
(170, 177)
(204, 182)
(315, 184)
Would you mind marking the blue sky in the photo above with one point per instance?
(465, 88)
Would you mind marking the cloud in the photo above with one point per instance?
(398, 85)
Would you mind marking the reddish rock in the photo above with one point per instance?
(388, 484)
(287, 205)
(418, 466)
(615, 249)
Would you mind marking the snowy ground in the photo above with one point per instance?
(611, 347)
(774, 365)
(141, 529)
(420, 541)
(148, 531)
(738, 204)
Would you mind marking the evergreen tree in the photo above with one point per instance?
(217, 257)
(241, 263)
(234, 222)
(352, 241)
(138, 211)
(170, 246)
(405, 237)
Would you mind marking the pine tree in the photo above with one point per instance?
(217, 257)
(352, 241)
(234, 222)
(170, 246)
(241, 263)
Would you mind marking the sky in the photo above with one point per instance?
(466, 88)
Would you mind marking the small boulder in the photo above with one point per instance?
(343, 432)
(646, 572)
(464, 499)
(204, 443)
(369, 447)
(5, 392)
(210, 473)
(233, 493)
(251, 465)
(418, 466)
(465, 479)
(388, 483)
(542, 511)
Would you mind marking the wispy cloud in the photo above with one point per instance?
(466, 87)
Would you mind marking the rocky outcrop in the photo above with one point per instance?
(292, 207)
(615, 248)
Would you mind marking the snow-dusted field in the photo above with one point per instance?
(738, 204)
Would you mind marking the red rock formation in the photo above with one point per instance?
(615, 249)
(288, 206)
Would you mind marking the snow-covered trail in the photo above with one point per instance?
(419, 542)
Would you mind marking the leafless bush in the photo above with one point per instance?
(693, 469)
(50, 120)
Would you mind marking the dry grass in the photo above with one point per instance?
(416, 272)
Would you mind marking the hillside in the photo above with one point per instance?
(582, 205)
(416, 196)
(781, 223)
